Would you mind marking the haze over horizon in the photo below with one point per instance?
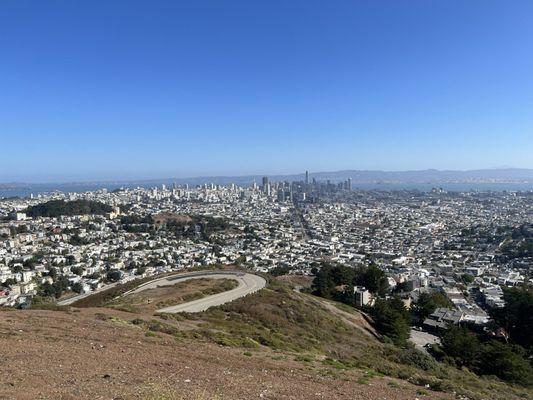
(134, 179)
(503, 174)
(131, 90)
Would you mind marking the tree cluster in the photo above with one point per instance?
(329, 276)
(390, 316)
(137, 224)
(57, 208)
(191, 227)
(516, 317)
(486, 356)
(198, 227)
(55, 289)
(392, 319)
(427, 303)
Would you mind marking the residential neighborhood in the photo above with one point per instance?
(453, 243)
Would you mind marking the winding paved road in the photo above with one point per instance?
(248, 283)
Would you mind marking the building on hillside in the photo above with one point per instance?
(362, 296)
(441, 318)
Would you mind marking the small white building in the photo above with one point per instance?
(362, 296)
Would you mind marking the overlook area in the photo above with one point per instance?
(274, 344)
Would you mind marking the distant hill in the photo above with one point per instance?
(508, 175)
(57, 208)
(433, 176)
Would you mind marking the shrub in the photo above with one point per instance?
(418, 359)
(42, 303)
(157, 326)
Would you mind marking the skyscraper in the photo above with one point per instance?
(307, 177)
(266, 186)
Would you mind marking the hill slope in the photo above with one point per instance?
(275, 344)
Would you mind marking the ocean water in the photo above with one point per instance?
(65, 188)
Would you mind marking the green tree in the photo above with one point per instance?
(342, 274)
(53, 273)
(347, 296)
(94, 275)
(428, 302)
(467, 278)
(517, 315)
(29, 263)
(506, 362)
(279, 271)
(140, 270)
(375, 280)
(77, 287)
(114, 275)
(9, 282)
(392, 320)
(55, 289)
(460, 344)
(323, 284)
(56, 208)
(77, 270)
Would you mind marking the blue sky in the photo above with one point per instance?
(150, 89)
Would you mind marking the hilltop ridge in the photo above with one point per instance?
(274, 344)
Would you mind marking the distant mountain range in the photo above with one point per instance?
(506, 175)
(429, 176)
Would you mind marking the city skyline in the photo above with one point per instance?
(123, 90)
(428, 175)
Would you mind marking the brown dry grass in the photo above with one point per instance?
(150, 300)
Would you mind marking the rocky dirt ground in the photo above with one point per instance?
(80, 355)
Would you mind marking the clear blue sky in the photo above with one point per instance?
(146, 89)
